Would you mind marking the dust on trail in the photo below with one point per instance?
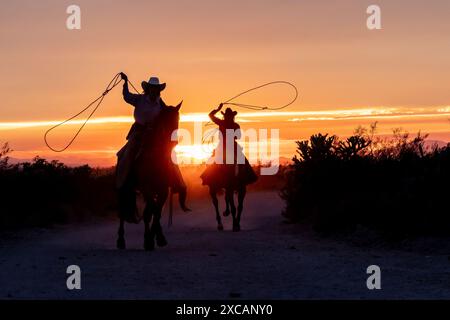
(266, 260)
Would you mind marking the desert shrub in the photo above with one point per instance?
(394, 185)
(41, 193)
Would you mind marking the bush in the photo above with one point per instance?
(40, 193)
(395, 185)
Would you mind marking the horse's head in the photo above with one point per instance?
(167, 123)
(170, 116)
(157, 142)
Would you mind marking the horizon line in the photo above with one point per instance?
(320, 115)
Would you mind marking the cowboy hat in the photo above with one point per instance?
(229, 113)
(153, 82)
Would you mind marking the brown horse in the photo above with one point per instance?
(152, 174)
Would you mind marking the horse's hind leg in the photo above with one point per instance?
(161, 240)
(121, 234)
(149, 243)
(226, 213)
(241, 196)
(215, 201)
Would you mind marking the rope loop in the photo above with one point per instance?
(257, 107)
(208, 138)
(97, 102)
(117, 79)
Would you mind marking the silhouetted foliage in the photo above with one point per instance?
(40, 193)
(4, 156)
(395, 185)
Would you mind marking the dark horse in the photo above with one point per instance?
(233, 177)
(241, 190)
(152, 173)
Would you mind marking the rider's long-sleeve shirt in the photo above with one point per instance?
(145, 110)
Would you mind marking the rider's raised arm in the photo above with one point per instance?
(237, 131)
(129, 97)
(212, 116)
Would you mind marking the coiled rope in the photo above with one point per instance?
(208, 139)
(257, 107)
(111, 85)
(117, 79)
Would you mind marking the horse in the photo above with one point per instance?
(152, 174)
(233, 178)
(241, 191)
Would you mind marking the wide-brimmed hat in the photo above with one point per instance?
(153, 82)
(229, 113)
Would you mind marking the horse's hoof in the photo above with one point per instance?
(149, 244)
(121, 243)
(161, 240)
(236, 227)
(186, 209)
(220, 227)
(226, 213)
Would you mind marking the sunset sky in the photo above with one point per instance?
(208, 51)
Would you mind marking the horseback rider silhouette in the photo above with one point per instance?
(226, 172)
(147, 108)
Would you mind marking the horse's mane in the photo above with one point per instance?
(153, 163)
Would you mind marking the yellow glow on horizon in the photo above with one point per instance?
(187, 153)
(248, 117)
(32, 124)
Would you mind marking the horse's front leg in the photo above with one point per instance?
(161, 240)
(121, 234)
(226, 213)
(241, 196)
(149, 242)
(215, 201)
(229, 198)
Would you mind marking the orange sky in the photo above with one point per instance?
(207, 51)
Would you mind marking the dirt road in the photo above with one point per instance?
(268, 259)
